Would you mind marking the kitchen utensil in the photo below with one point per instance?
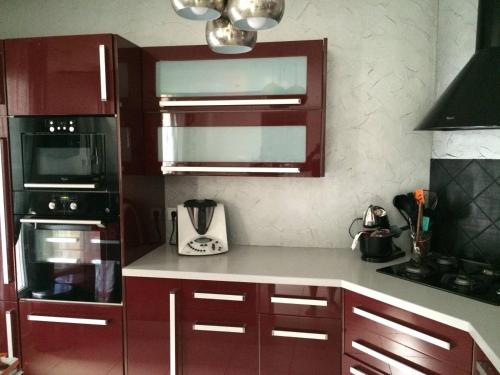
(201, 228)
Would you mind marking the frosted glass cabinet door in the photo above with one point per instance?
(274, 75)
(284, 143)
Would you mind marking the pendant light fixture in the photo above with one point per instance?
(223, 37)
(199, 9)
(232, 24)
(255, 14)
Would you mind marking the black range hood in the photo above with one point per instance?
(472, 100)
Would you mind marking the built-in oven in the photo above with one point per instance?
(68, 246)
(52, 153)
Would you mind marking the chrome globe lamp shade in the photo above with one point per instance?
(223, 37)
(199, 10)
(254, 15)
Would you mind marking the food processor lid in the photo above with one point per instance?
(200, 212)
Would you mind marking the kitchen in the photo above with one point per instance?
(386, 62)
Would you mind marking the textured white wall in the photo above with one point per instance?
(456, 43)
(381, 73)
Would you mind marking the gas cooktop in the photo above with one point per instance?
(463, 277)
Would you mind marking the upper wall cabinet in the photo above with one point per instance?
(61, 75)
(281, 75)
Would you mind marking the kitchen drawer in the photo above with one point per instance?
(220, 296)
(482, 365)
(219, 342)
(300, 300)
(292, 345)
(393, 358)
(351, 366)
(414, 331)
(70, 338)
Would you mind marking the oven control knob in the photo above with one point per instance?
(73, 206)
(52, 129)
(71, 129)
(52, 205)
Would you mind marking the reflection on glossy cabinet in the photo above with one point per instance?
(299, 345)
(481, 364)
(147, 302)
(60, 75)
(3, 98)
(71, 338)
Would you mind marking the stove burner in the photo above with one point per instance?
(491, 273)
(445, 260)
(463, 280)
(417, 270)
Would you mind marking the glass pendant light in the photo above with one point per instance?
(255, 14)
(223, 37)
(199, 9)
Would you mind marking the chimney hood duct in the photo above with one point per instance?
(472, 100)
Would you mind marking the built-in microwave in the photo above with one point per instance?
(63, 153)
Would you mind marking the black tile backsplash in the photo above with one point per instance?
(467, 222)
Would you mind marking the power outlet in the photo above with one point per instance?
(169, 212)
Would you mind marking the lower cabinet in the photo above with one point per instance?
(147, 305)
(220, 329)
(71, 338)
(9, 329)
(296, 345)
(481, 364)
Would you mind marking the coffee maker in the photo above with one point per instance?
(376, 238)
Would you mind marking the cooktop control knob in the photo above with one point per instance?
(73, 206)
(52, 129)
(71, 128)
(52, 205)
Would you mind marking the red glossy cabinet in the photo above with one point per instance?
(3, 96)
(9, 329)
(63, 75)
(481, 364)
(219, 328)
(7, 277)
(71, 338)
(396, 341)
(351, 366)
(300, 329)
(291, 345)
(147, 302)
(258, 114)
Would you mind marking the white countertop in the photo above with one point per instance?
(329, 267)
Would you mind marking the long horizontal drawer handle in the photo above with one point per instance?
(386, 359)
(355, 371)
(232, 102)
(218, 328)
(291, 170)
(299, 334)
(63, 319)
(299, 301)
(99, 223)
(401, 328)
(59, 186)
(219, 296)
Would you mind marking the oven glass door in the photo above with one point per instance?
(76, 260)
(61, 159)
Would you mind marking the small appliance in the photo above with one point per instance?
(201, 228)
(376, 238)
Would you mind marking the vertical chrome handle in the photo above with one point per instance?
(8, 326)
(3, 219)
(173, 364)
(102, 72)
